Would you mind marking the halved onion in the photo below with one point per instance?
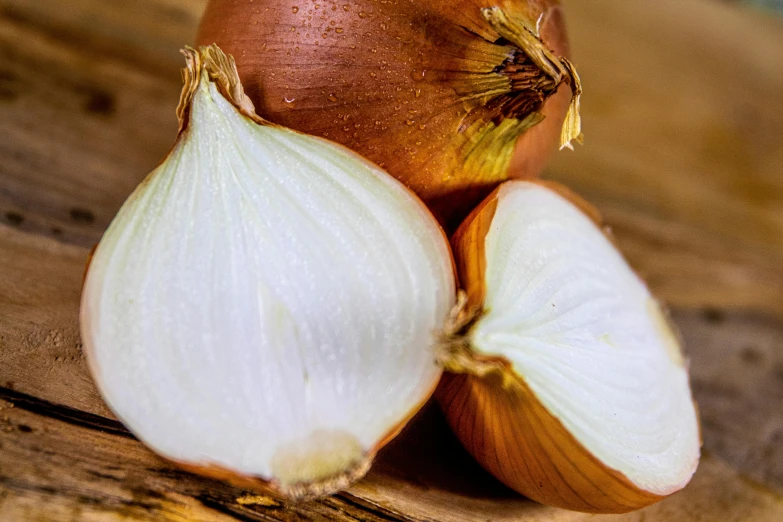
(569, 384)
(263, 305)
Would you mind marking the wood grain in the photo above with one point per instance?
(682, 156)
(146, 34)
(736, 365)
(80, 131)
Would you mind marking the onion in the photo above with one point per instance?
(568, 382)
(262, 308)
(436, 92)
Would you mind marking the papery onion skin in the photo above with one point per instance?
(515, 438)
(499, 419)
(405, 83)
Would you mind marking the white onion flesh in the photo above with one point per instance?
(265, 301)
(584, 333)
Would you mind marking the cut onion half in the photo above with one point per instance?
(263, 307)
(568, 383)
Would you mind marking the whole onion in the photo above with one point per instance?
(440, 94)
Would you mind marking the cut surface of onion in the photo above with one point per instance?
(582, 382)
(264, 303)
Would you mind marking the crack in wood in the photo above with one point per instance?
(105, 501)
(376, 510)
(341, 507)
(231, 509)
(66, 414)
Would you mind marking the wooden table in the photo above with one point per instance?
(684, 153)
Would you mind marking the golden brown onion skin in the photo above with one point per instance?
(417, 86)
(516, 439)
(501, 422)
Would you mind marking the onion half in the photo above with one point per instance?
(568, 383)
(262, 308)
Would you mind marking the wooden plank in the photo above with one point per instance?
(40, 347)
(737, 375)
(79, 132)
(146, 34)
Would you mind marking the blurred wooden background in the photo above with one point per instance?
(769, 4)
(684, 126)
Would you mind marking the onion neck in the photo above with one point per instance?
(535, 72)
(455, 351)
(530, 86)
(500, 108)
(211, 64)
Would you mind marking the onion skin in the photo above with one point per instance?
(410, 84)
(515, 438)
(500, 421)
